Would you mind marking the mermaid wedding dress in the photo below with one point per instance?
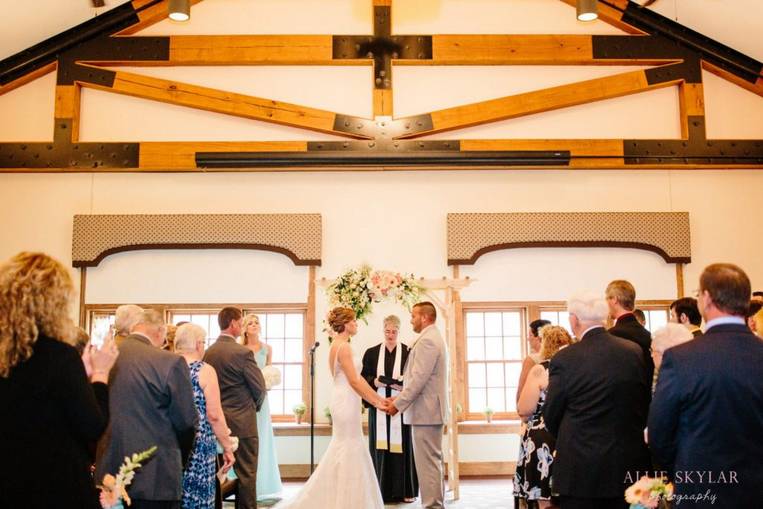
(345, 477)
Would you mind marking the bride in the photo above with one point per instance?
(345, 477)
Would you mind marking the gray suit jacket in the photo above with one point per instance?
(242, 386)
(424, 398)
(150, 403)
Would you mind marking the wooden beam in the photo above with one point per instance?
(82, 290)
(612, 16)
(219, 101)
(382, 102)
(310, 338)
(538, 101)
(149, 16)
(691, 100)
(181, 156)
(255, 50)
(679, 280)
(67, 106)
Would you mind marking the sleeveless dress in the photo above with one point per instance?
(268, 475)
(199, 476)
(345, 477)
(532, 480)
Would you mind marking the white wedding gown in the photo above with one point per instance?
(345, 477)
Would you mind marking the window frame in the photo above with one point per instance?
(529, 311)
(168, 310)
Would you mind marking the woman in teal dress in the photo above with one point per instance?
(268, 475)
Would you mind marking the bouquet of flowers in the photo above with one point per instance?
(114, 489)
(359, 288)
(648, 493)
(272, 376)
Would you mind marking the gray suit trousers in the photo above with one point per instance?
(427, 450)
(246, 470)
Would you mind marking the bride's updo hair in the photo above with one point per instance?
(339, 317)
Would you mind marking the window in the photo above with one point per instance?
(283, 328)
(494, 353)
(557, 318)
(655, 318)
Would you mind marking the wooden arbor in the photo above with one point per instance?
(678, 54)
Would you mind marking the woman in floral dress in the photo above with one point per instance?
(199, 475)
(532, 481)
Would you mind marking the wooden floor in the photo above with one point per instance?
(475, 494)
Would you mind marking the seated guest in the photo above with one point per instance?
(533, 476)
(621, 299)
(640, 317)
(667, 337)
(707, 412)
(533, 357)
(596, 406)
(199, 475)
(755, 317)
(125, 317)
(51, 412)
(151, 403)
(685, 312)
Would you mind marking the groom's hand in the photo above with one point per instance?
(391, 408)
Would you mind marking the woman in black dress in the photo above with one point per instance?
(532, 481)
(389, 440)
(55, 403)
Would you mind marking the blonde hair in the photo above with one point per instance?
(552, 339)
(35, 295)
(248, 319)
(339, 317)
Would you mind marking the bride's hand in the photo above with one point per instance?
(381, 404)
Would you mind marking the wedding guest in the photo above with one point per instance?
(533, 357)
(268, 473)
(242, 391)
(199, 475)
(125, 317)
(596, 406)
(55, 403)
(169, 340)
(151, 403)
(707, 412)
(755, 317)
(640, 317)
(81, 340)
(389, 439)
(666, 337)
(532, 480)
(621, 300)
(685, 312)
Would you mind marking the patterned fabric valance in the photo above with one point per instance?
(472, 235)
(298, 236)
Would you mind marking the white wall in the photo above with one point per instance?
(392, 220)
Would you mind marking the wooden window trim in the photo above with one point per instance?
(529, 311)
(167, 309)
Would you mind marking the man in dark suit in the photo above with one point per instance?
(596, 406)
(621, 299)
(151, 404)
(686, 312)
(706, 419)
(242, 391)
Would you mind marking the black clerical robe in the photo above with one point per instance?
(396, 472)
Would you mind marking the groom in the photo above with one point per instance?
(424, 401)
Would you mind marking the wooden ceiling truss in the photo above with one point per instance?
(678, 56)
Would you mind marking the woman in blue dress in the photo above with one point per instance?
(268, 474)
(199, 475)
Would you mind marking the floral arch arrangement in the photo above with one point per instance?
(358, 289)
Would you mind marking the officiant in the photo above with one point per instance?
(388, 438)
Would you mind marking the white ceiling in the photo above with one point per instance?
(737, 23)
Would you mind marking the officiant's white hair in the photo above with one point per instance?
(392, 320)
(588, 307)
(187, 336)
